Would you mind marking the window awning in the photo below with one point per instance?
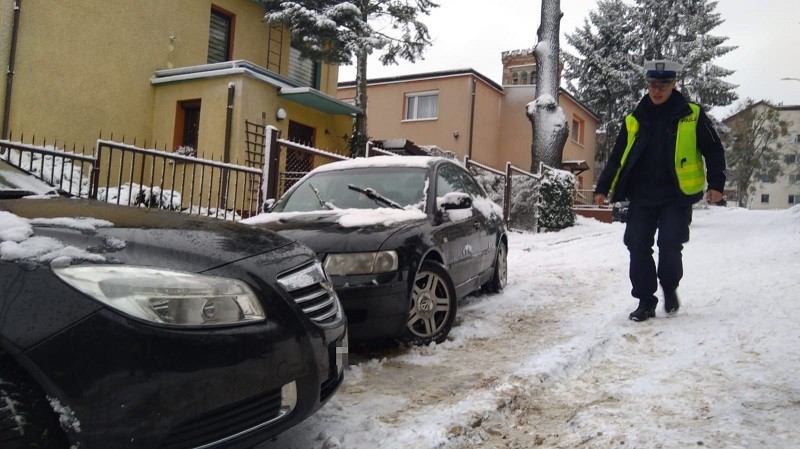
(575, 167)
(317, 100)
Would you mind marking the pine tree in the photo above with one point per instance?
(338, 32)
(609, 78)
(753, 146)
(679, 30)
(616, 40)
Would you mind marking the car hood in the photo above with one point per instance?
(76, 230)
(340, 231)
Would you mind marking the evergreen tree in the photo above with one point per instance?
(752, 146)
(609, 79)
(679, 30)
(616, 40)
(337, 32)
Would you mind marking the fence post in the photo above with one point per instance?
(94, 174)
(507, 195)
(270, 163)
(367, 151)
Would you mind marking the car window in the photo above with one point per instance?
(470, 185)
(448, 180)
(330, 189)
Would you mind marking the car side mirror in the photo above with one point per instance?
(454, 200)
(267, 206)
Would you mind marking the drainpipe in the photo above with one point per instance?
(229, 123)
(10, 73)
(471, 119)
(226, 155)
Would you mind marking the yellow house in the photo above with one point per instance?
(170, 74)
(465, 112)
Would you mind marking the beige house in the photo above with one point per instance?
(172, 74)
(467, 113)
(784, 192)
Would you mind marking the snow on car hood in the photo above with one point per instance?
(60, 231)
(347, 218)
(340, 229)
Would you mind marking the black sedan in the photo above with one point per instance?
(402, 238)
(124, 327)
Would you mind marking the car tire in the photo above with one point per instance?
(500, 276)
(433, 306)
(26, 419)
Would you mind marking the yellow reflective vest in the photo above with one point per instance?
(689, 166)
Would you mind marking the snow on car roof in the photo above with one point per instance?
(380, 161)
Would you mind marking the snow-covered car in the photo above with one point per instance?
(125, 327)
(402, 238)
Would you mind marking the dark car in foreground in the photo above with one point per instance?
(402, 238)
(125, 327)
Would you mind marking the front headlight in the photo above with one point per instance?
(166, 296)
(361, 263)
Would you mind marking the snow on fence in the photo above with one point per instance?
(128, 175)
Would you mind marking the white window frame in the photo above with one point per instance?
(577, 129)
(411, 104)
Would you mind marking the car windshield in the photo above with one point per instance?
(15, 183)
(357, 188)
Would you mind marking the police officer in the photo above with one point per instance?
(657, 163)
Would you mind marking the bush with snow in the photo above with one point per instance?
(555, 200)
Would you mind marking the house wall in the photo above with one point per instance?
(450, 131)
(517, 131)
(487, 125)
(516, 134)
(783, 186)
(84, 66)
(501, 130)
(576, 151)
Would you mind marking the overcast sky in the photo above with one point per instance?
(473, 34)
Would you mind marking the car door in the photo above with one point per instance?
(488, 223)
(460, 232)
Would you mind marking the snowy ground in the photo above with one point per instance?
(553, 361)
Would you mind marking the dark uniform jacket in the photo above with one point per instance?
(648, 177)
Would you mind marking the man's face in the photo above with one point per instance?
(659, 90)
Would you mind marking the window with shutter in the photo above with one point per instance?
(220, 36)
(301, 70)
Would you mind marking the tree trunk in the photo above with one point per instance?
(359, 139)
(550, 128)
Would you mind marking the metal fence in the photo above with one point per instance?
(289, 161)
(125, 174)
(71, 172)
(516, 190)
(154, 178)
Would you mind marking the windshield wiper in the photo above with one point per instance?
(321, 200)
(375, 196)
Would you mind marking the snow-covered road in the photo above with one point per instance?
(553, 361)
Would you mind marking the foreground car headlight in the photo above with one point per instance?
(166, 296)
(360, 263)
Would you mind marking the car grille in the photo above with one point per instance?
(226, 421)
(312, 291)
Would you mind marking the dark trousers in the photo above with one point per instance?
(672, 223)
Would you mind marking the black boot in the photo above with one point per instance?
(671, 302)
(646, 309)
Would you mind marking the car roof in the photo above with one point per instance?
(381, 161)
